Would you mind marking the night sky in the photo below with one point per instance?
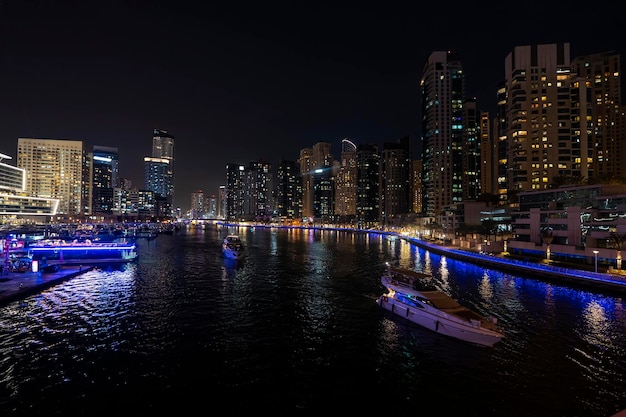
(240, 84)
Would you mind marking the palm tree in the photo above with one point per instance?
(617, 242)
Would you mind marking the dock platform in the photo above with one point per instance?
(17, 285)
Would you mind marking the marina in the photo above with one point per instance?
(297, 324)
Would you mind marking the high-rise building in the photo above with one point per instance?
(323, 194)
(55, 169)
(236, 183)
(501, 146)
(163, 149)
(395, 180)
(538, 126)
(259, 190)
(221, 204)
(197, 205)
(367, 188)
(162, 144)
(345, 184)
(157, 174)
(306, 164)
(210, 206)
(471, 160)
(598, 118)
(488, 156)
(104, 179)
(311, 161)
(158, 178)
(442, 95)
(288, 196)
(13, 201)
(416, 180)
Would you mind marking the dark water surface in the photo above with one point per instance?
(294, 330)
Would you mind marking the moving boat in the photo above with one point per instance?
(232, 246)
(411, 295)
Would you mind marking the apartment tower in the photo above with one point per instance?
(598, 118)
(55, 169)
(345, 193)
(538, 127)
(443, 95)
(163, 148)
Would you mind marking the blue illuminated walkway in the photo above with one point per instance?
(600, 280)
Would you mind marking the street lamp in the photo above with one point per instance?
(595, 253)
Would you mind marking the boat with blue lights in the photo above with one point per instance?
(55, 252)
(232, 247)
(411, 295)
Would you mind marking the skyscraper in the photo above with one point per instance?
(235, 191)
(159, 171)
(345, 184)
(55, 169)
(163, 147)
(12, 200)
(443, 95)
(104, 178)
(395, 180)
(259, 195)
(288, 196)
(367, 188)
(599, 116)
(471, 149)
(538, 124)
(319, 157)
(198, 209)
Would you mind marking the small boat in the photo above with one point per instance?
(232, 247)
(411, 295)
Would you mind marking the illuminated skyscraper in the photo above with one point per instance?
(55, 169)
(104, 177)
(197, 205)
(471, 150)
(395, 180)
(600, 127)
(312, 160)
(235, 191)
(345, 183)
(259, 190)
(288, 195)
(538, 124)
(163, 147)
(367, 189)
(13, 202)
(443, 96)
(159, 170)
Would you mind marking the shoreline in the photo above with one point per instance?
(570, 275)
(17, 285)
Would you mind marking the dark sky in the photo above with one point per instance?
(238, 84)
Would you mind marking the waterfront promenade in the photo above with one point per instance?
(538, 268)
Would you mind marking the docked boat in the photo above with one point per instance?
(411, 295)
(232, 246)
(57, 252)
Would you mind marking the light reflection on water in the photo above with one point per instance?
(295, 324)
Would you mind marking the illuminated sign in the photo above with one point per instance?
(102, 158)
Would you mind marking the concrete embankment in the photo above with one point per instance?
(602, 281)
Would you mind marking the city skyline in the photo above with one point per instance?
(241, 86)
